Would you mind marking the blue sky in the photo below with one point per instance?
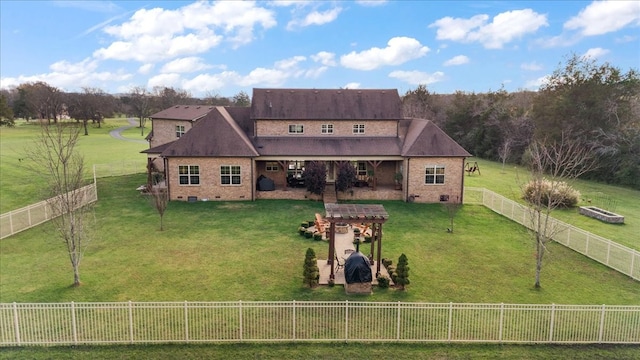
(224, 47)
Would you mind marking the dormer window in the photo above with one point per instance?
(326, 129)
(296, 129)
(358, 128)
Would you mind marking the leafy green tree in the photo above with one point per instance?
(242, 99)
(311, 272)
(315, 176)
(6, 113)
(402, 271)
(346, 176)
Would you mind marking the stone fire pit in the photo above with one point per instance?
(342, 228)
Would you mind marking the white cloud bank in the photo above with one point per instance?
(399, 50)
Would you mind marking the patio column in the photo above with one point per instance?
(332, 248)
(379, 249)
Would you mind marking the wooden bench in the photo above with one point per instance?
(320, 224)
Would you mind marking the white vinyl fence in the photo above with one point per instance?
(27, 217)
(605, 251)
(194, 322)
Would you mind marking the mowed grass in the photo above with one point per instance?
(623, 201)
(226, 251)
(334, 350)
(20, 187)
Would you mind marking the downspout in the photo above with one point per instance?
(166, 176)
(253, 179)
(406, 185)
(462, 182)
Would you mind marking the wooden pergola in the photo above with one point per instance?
(375, 215)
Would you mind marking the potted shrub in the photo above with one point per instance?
(398, 178)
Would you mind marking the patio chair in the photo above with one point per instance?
(339, 264)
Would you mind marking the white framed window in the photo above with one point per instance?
(358, 128)
(272, 166)
(189, 174)
(179, 130)
(326, 129)
(296, 129)
(434, 175)
(362, 168)
(230, 175)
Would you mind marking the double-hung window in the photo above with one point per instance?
(326, 129)
(434, 175)
(179, 130)
(230, 175)
(358, 128)
(272, 166)
(296, 129)
(189, 174)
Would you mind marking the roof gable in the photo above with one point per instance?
(319, 104)
(216, 134)
(424, 138)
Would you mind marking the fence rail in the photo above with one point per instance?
(598, 248)
(194, 322)
(32, 215)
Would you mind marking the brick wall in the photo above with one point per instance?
(313, 127)
(210, 187)
(164, 131)
(454, 176)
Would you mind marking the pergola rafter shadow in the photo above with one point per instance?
(372, 214)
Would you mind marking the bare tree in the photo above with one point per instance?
(141, 103)
(452, 208)
(558, 162)
(54, 154)
(504, 150)
(159, 199)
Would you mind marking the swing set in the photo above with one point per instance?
(470, 169)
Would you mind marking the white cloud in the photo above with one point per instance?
(417, 77)
(165, 80)
(371, 3)
(532, 66)
(601, 17)
(504, 28)
(352, 85)
(537, 83)
(325, 58)
(145, 69)
(315, 72)
(206, 82)
(158, 34)
(185, 65)
(457, 60)
(626, 39)
(594, 53)
(290, 63)
(315, 18)
(398, 51)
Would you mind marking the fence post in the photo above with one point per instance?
(398, 325)
(553, 315)
(73, 323)
(450, 319)
(16, 323)
(346, 320)
(130, 322)
(186, 321)
(294, 320)
(240, 317)
(501, 321)
(601, 324)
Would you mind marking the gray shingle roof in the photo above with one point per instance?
(424, 138)
(311, 146)
(330, 104)
(183, 112)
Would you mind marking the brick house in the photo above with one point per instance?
(219, 153)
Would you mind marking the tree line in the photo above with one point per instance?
(595, 106)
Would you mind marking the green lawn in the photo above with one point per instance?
(327, 351)
(219, 251)
(19, 187)
(621, 200)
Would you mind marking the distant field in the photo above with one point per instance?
(19, 187)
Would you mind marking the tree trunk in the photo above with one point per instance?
(86, 131)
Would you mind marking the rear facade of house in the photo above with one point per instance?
(220, 153)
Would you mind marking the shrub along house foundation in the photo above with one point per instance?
(219, 153)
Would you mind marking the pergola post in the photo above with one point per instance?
(332, 248)
(379, 249)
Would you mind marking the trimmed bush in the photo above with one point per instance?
(304, 224)
(383, 282)
(367, 239)
(317, 236)
(308, 234)
(311, 223)
(302, 230)
(555, 193)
